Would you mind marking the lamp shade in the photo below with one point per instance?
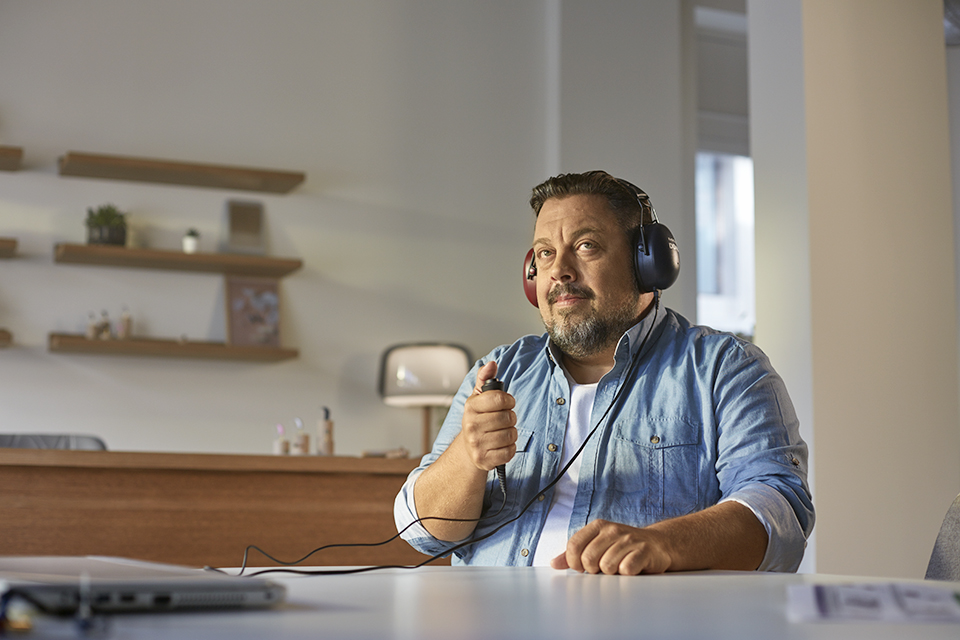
(422, 374)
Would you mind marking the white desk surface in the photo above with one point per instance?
(454, 603)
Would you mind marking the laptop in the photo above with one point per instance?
(62, 584)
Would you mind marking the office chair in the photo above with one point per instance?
(945, 560)
(51, 441)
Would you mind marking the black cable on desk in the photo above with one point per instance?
(322, 572)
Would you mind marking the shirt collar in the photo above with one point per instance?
(636, 336)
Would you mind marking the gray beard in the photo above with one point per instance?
(594, 333)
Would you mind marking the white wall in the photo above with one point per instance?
(418, 126)
(627, 106)
(421, 126)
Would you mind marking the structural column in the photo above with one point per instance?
(856, 302)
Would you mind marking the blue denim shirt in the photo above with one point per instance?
(704, 418)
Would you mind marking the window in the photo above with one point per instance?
(725, 253)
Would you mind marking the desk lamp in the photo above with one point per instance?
(423, 375)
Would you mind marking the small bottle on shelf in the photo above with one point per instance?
(325, 435)
(104, 332)
(92, 329)
(301, 440)
(281, 446)
(125, 326)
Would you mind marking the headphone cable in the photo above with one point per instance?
(285, 569)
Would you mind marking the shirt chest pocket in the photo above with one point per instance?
(516, 469)
(656, 470)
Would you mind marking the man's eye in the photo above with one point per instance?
(587, 245)
(543, 253)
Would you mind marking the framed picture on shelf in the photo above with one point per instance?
(253, 311)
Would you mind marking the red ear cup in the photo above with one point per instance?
(530, 279)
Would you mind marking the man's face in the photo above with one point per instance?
(585, 284)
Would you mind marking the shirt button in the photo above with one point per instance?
(795, 462)
(655, 439)
(540, 497)
(524, 552)
(561, 401)
(552, 447)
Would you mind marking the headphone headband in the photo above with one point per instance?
(647, 212)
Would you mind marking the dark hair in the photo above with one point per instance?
(620, 195)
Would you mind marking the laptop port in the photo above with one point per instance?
(162, 599)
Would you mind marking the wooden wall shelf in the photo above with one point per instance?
(90, 165)
(226, 263)
(73, 343)
(10, 158)
(8, 247)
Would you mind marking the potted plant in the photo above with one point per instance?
(106, 225)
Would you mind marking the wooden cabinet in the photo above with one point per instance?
(200, 509)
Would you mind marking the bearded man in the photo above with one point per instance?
(630, 440)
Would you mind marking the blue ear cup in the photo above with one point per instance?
(658, 258)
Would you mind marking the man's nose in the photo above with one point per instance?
(563, 268)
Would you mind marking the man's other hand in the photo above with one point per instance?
(614, 548)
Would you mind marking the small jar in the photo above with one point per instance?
(191, 240)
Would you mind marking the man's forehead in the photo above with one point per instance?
(576, 215)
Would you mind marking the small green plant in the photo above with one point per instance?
(106, 215)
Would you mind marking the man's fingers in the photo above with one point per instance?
(592, 555)
(614, 559)
(576, 545)
(611, 548)
(489, 423)
(560, 562)
(484, 373)
(633, 564)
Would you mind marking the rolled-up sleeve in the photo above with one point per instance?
(786, 539)
(405, 515)
(762, 458)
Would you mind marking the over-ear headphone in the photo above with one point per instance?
(656, 256)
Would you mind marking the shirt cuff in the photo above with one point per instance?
(405, 510)
(405, 516)
(785, 539)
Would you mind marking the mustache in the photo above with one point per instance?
(570, 289)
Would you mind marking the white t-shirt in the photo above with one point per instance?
(553, 538)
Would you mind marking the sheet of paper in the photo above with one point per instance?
(880, 602)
